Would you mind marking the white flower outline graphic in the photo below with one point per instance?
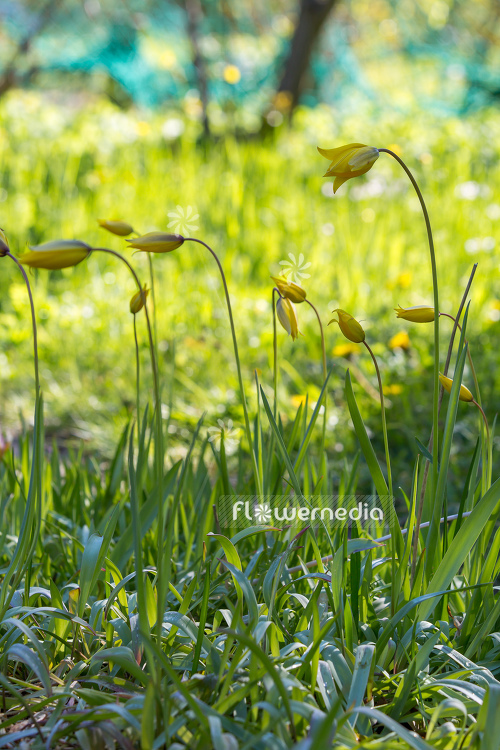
(294, 269)
(231, 441)
(183, 220)
(262, 513)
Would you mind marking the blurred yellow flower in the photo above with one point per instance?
(287, 316)
(348, 161)
(418, 314)
(282, 101)
(464, 395)
(297, 400)
(157, 242)
(344, 350)
(232, 74)
(121, 228)
(404, 280)
(56, 254)
(393, 390)
(350, 327)
(138, 300)
(400, 341)
(290, 290)
(4, 245)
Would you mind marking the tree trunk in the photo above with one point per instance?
(194, 14)
(312, 16)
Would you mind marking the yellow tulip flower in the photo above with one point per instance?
(418, 314)
(138, 300)
(290, 290)
(348, 161)
(56, 254)
(157, 242)
(287, 316)
(350, 327)
(121, 228)
(464, 395)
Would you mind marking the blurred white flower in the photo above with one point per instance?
(294, 269)
(183, 220)
(231, 440)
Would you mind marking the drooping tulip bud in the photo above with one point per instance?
(350, 327)
(287, 316)
(157, 242)
(121, 228)
(56, 254)
(464, 395)
(418, 314)
(290, 290)
(348, 161)
(138, 300)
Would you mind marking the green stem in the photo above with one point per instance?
(323, 352)
(257, 478)
(389, 480)
(441, 391)
(275, 352)
(384, 423)
(435, 401)
(33, 321)
(162, 581)
(153, 295)
(488, 439)
(137, 378)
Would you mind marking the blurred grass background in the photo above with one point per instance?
(89, 135)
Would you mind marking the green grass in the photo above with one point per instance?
(263, 643)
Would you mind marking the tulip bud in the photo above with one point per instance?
(419, 314)
(157, 242)
(348, 161)
(287, 316)
(56, 254)
(293, 292)
(138, 300)
(464, 395)
(350, 327)
(121, 228)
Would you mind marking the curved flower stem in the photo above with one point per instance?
(389, 478)
(486, 451)
(33, 321)
(435, 403)
(490, 445)
(384, 423)
(275, 352)
(469, 356)
(153, 295)
(323, 352)
(162, 580)
(257, 478)
(137, 377)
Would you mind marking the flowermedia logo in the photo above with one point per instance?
(282, 511)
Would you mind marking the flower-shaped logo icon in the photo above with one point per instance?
(183, 220)
(230, 433)
(294, 269)
(262, 513)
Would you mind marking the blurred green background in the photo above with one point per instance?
(208, 114)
